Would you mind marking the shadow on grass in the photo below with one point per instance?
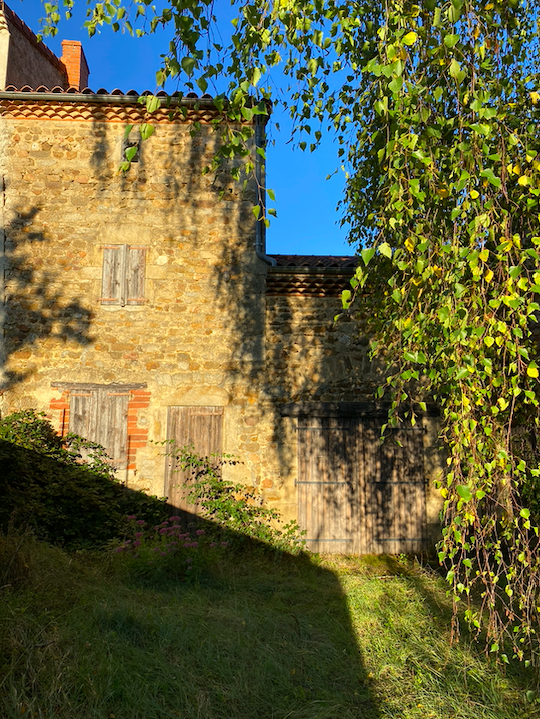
(250, 632)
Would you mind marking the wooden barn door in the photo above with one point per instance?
(356, 495)
(201, 427)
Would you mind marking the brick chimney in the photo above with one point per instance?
(76, 65)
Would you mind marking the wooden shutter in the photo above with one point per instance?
(123, 275)
(112, 422)
(83, 407)
(201, 427)
(113, 276)
(135, 271)
(100, 415)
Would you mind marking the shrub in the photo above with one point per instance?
(235, 507)
(167, 550)
(63, 489)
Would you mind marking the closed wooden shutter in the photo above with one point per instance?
(112, 423)
(201, 427)
(100, 415)
(356, 495)
(113, 276)
(135, 271)
(83, 408)
(123, 275)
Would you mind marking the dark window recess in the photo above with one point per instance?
(123, 275)
(100, 415)
(201, 427)
(131, 150)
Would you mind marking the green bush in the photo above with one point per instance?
(235, 507)
(63, 488)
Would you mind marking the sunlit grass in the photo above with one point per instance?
(253, 636)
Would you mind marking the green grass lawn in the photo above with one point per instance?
(250, 636)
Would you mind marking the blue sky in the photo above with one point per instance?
(307, 221)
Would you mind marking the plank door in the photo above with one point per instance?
(394, 483)
(201, 427)
(356, 495)
(329, 501)
(100, 415)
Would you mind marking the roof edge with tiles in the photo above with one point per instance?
(310, 275)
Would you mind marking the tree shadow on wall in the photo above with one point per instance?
(37, 311)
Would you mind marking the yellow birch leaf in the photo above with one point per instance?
(410, 38)
(409, 244)
(534, 97)
(488, 276)
(523, 181)
(474, 194)
(532, 371)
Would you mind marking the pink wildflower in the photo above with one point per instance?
(224, 544)
(132, 516)
(194, 544)
(163, 530)
(174, 519)
(189, 560)
(141, 522)
(200, 532)
(136, 544)
(213, 544)
(138, 535)
(119, 549)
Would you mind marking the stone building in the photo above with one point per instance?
(142, 306)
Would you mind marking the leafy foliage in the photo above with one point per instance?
(233, 506)
(45, 484)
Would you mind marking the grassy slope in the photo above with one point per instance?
(253, 637)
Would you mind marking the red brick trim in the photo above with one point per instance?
(61, 405)
(136, 436)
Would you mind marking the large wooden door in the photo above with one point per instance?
(354, 494)
(199, 427)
